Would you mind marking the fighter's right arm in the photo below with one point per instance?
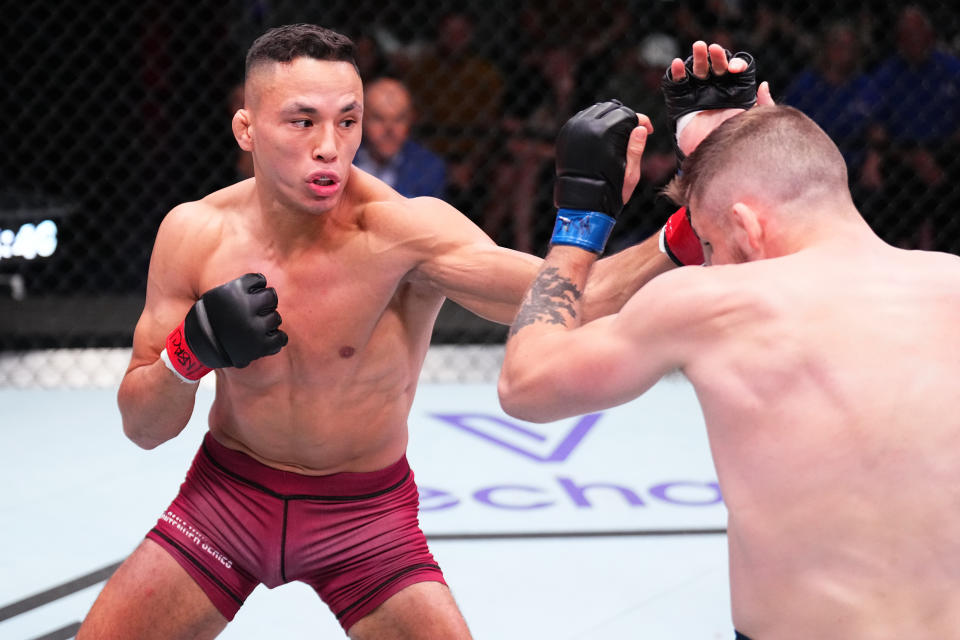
(554, 367)
(155, 404)
(181, 338)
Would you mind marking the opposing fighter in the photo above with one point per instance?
(311, 290)
(826, 364)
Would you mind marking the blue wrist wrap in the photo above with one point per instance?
(585, 229)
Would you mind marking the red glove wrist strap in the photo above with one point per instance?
(181, 359)
(679, 241)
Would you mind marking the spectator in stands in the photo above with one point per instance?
(683, 20)
(601, 39)
(915, 111)
(832, 92)
(636, 83)
(372, 62)
(458, 94)
(387, 151)
(914, 91)
(535, 115)
(785, 44)
(457, 90)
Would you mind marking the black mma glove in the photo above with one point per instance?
(229, 326)
(727, 91)
(591, 158)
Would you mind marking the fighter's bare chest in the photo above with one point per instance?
(327, 301)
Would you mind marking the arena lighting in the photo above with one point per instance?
(30, 241)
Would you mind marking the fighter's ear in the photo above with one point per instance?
(748, 224)
(243, 129)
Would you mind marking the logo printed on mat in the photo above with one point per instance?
(552, 445)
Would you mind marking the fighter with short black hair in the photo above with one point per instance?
(311, 290)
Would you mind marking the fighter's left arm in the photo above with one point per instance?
(557, 365)
(550, 319)
(453, 256)
(599, 153)
(462, 263)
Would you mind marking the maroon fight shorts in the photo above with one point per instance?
(353, 537)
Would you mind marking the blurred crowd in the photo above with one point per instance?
(482, 118)
(124, 108)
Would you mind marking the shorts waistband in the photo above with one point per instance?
(346, 485)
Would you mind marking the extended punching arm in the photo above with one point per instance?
(591, 158)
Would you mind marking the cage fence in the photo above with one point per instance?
(115, 112)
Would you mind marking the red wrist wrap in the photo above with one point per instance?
(182, 358)
(679, 240)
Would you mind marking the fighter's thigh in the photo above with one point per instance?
(151, 596)
(422, 611)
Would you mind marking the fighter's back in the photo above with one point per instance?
(830, 399)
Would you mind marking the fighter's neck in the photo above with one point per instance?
(291, 229)
(843, 236)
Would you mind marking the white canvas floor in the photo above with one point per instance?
(601, 527)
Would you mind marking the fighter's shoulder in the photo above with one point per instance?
(937, 258)
(187, 223)
(232, 196)
(202, 222)
(212, 210)
(695, 297)
(407, 216)
(935, 266)
(420, 206)
(700, 282)
(420, 228)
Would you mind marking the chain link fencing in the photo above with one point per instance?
(114, 112)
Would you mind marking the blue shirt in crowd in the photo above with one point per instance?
(840, 110)
(917, 103)
(414, 171)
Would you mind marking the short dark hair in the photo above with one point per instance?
(286, 43)
(777, 146)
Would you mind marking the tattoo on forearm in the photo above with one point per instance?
(550, 296)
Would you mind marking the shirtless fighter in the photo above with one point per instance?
(302, 475)
(826, 364)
